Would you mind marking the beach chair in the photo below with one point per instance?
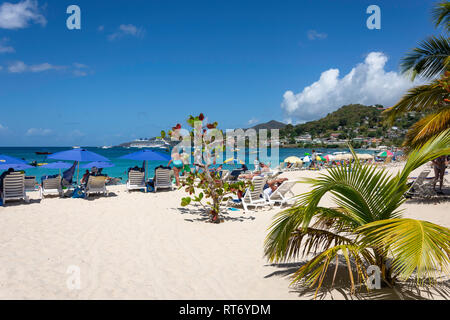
(30, 183)
(14, 187)
(96, 184)
(253, 197)
(418, 188)
(51, 186)
(136, 181)
(162, 179)
(280, 195)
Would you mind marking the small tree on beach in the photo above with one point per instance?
(366, 227)
(205, 186)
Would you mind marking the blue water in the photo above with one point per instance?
(121, 166)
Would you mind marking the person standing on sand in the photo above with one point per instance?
(177, 164)
(439, 165)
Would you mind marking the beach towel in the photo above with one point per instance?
(78, 193)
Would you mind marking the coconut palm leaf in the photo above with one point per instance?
(429, 59)
(428, 127)
(314, 271)
(278, 245)
(416, 246)
(441, 15)
(429, 97)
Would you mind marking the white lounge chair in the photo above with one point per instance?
(30, 183)
(162, 179)
(14, 187)
(280, 195)
(136, 181)
(51, 186)
(96, 184)
(253, 197)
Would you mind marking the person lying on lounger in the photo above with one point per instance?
(273, 185)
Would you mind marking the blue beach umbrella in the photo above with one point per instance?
(16, 166)
(79, 155)
(98, 164)
(146, 155)
(4, 159)
(56, 165)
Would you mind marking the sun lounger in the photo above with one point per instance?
(136, 181)
(252, 197)
(96, 184)
(162, 179)
(30, 183)
(418, 188)
(14, 187)
(281, 194)
(51, 186)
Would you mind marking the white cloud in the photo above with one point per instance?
(5, 48)
(21, 67)
(39, 132)
(3, 128)
(17, 67)
(20, 15)
(368, 83)
(127, 30)
(252, 121)
(101, 28)
(314, 35)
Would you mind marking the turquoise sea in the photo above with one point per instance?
(121, 166)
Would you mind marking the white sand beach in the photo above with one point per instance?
(146, 246)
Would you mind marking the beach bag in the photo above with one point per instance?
(78, 193)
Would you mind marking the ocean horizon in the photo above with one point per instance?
(120, 169)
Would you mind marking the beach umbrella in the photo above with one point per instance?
(330, 157)
(234, 161)
(146, 155)
(385, 154)
(306, 159)
(319, 158)
(57, 165)
(77, 154)
(307, 154)
(343, 156)
(4, 159)
(293, 159)
(16, 166)
(98, 164)
(364, 156)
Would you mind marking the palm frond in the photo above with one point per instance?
(314, 271)
(428, 97)
(427, 127)
(441, 15)
(279, 244)
(435, 147)
(429, 59)
(416, 246)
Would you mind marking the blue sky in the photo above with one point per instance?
(137, 67)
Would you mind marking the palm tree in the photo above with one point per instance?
(366, 227)
(430, 60)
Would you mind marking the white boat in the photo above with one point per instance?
(76, 147)
(106, 147)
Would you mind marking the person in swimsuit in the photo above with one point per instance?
(439, 171)
(177, 163)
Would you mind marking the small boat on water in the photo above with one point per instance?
(42, 153)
